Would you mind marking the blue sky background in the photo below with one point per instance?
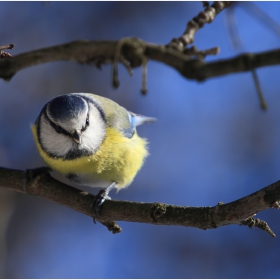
(212, 143)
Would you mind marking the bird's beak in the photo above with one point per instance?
(77, 137)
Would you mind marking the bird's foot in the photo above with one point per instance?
(100, 199)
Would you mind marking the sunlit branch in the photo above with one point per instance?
(39, 183)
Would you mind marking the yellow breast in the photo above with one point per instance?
(117, 160)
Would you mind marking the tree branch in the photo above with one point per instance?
(135, 52)
(239, 212)
(206, 16)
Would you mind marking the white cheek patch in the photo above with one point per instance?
(53, 142)
(58, 144)
(93, 136)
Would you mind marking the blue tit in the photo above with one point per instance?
(91, 140)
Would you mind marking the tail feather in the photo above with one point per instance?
(140, 119)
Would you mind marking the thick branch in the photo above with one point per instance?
(236, 212)
(200, 70)
(79, 51)
(135, 51)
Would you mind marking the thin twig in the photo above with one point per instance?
(254, 10)
(206, 16)
(259, 90)
(194, 51)
(127, 66)
(117, 57)
(144, 77)
(232, 28)
(6, 47)
(251, 222)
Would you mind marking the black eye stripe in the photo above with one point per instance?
(56, 127)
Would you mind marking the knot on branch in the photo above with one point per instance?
(112, 226)
(157, 211)
(32, 176)
(133, 50)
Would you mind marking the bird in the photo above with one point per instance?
(91, 141)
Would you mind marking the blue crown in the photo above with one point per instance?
(66, 107)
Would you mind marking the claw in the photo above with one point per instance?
(100, 199)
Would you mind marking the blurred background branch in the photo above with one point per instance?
(206, 16)
(134, 51)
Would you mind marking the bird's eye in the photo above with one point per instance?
(87, 122)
